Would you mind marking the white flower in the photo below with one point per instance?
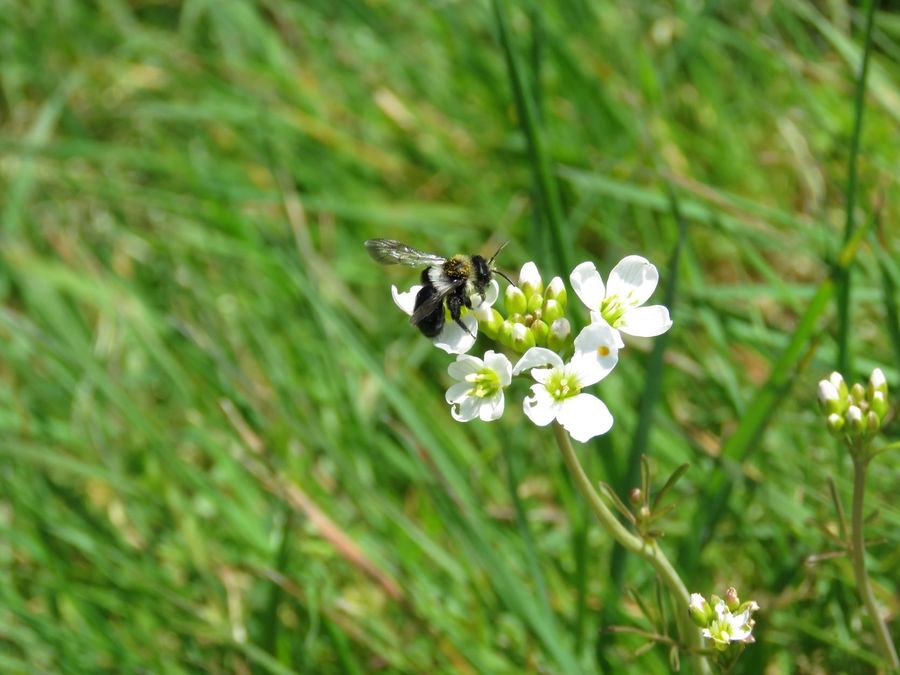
(479, 393)
(453, 339)
(557, 394)
(631, 283)
(726, 627)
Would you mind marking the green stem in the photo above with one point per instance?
(648, 550)
(858, 553)
(843, 279)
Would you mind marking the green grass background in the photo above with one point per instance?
(223, 448)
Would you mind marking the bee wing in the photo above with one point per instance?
(435, 301)
(393, 252)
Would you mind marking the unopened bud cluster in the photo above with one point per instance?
(723, 620)
(536, 315)
(856, 412)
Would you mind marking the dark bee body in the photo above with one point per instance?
(445, 281)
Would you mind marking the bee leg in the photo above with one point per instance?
(455, 302)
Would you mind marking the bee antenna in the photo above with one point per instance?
(493, 257)
(511, 283)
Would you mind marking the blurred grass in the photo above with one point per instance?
(192, 339)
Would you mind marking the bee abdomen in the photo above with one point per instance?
(430, 324)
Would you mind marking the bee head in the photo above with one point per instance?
(481, 272)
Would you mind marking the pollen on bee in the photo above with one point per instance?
(458, 266)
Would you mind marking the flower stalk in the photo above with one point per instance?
(648, 550)
(858, 556)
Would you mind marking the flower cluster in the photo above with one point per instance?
(724, 620)
(536, 327)
(855, 413)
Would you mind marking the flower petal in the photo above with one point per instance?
(453, 339)
(491, 293)
(492, 408)
(457, 392)
(596, 353)
(541, 374)
(541, 408)
(588, 285)
(406, 301)
(464, 365)
(467, 409)
(537, 356)
(585, 416)
(597, 317)
(646, 321)
(633, 279)
(500, 365)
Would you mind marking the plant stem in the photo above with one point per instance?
(648, 550)
(843, 280)
(858, 553)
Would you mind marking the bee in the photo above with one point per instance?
(445, 281)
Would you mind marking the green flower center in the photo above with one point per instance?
(562, 385)
(613, 309)
(720, 631)
(485, 383)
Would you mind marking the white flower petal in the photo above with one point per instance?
(467, 409)
(453, 339)
(491, 293)
(596, 353)
(585, 416)
(464, 365)
(457, 392)
(500, 365)
(590, 367)
(646, 321)
(633, 279)
(541, 374)
(597, 317)
(588, 285)
(406, 301)
(541, 408)
(537, 356)
(492, 408)
(529, 275)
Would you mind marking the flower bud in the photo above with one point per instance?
(835, 423)
(530, 280)
(878, 391)
(857, 394)
(492, 325)
(535, 302)
(522, 338)
(732, 601)
(700, 610)
(560, 334)
(541, 331)
(557, 291)
(838, 381)
(879, 405)
(552, 310)
(855, 422)
(877, 381)
(635, 496)
(829, 398)
(873, 422)
(514, 300)
(506, 331)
